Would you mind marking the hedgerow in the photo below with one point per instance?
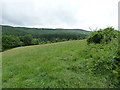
(104, 55)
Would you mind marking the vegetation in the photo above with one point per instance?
(105, 54)
(54, 65)
(11, 41)
(90, 63)
(34, 36)
(103, 36)
(46, 34)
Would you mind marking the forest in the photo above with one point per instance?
(21, 36)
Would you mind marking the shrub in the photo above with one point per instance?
(27, 39)
(35, 42)
(104, 54)
(102, 36)
(95, 37)
(10, 41)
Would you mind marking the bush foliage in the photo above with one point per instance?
(104, 54)
(11, 41)
(103, 35)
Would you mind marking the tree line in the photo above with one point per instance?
(12, 41)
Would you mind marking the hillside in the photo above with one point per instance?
(42, 32)
(49, 65)
(21, 36)
(90, 63)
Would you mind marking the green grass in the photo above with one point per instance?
(56, 65)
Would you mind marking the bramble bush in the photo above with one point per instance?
(102, 36)
(104, 54)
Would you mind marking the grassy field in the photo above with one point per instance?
(55, 65)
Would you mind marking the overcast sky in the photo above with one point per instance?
(60, 13)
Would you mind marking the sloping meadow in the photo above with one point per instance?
(71, 64)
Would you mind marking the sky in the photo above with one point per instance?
(80, 14)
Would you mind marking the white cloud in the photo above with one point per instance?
(61, 13)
